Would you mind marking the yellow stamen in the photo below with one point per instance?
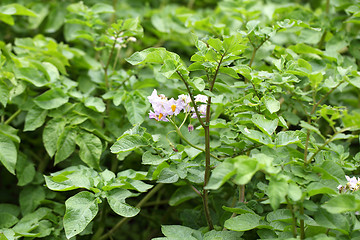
(173, 107)
(160, 116)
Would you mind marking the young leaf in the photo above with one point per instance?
(8, 153)
(128, 143)
(136, 109)
(178, 232)
(35, 118)
(4, 93)
(342, 203)
(278, 188)
(25, 170)
(181, 195)
(65, 145)
(152, 159)
(80, 211)
(51, 134)
(243, 222)
(90, 149)
(31, 75)
(271, 104)
(52, 98)
(95, 104)
(116, 199)
(266, 126)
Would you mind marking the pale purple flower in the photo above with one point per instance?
(353, 184)
(183, 102)
(201, 98)
(159, 104)
(171, 107)
(201, 109)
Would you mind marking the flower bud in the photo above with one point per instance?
(190, 127)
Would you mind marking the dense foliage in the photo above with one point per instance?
(206, 120)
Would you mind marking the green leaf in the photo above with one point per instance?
(177, 232)
(6, 221)
(16, 9)
(80, 211)
(71, 178)
(8, 153)
(197, 83)
(116, 199)
(315, 188)
(152, 55)
(256, 136)
(294, 192)
(222, 173)
(4, 93)
(271, 104)
(102, 8)
(332, 221)
(181, 195)
(51, 99)
(215, 43)
(30, 198)
(9, 132)
(168, 176)
(245, 169)
(65, 145)
(136, 108)
(95, 104)
(286, 138)
(31, 75)
(222, 235)
(152, 159)
(342, 203)
(30, 222)
(25, 170)
(128, 143)
(278, 188)
(51, 134)
(90, 149)
(266, 126)
(243, 222)
(315, 79)
(35, 118)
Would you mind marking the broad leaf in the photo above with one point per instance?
(80, 211)
(243, 222)
(128, 143)
(65, 145)
(116, 199)
(90, 149)
(8, 153)
(51, 99)
(51, 134)
(35, 118)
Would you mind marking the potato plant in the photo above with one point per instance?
(200, 120)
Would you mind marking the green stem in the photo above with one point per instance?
(139, 205)
(192, 98)
(309, 121)
(302, 224)
(8, 121)
(294, 222)
(187, 141)
(326, 143)
(101, 226)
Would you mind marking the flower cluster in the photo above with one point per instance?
(121, 41)
(353, 184)
(164, 107)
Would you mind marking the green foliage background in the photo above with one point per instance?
(80, 159)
